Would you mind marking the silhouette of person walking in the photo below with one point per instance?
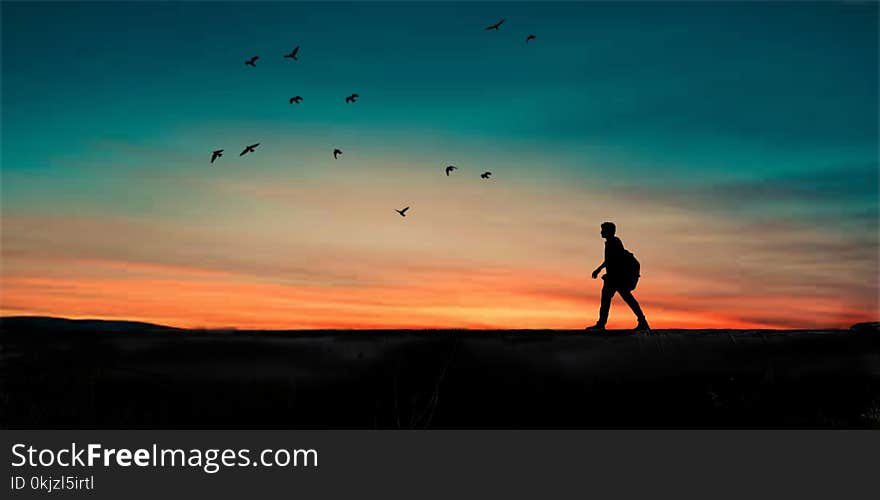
(621, 276)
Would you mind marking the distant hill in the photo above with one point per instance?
(47, 323)
(872, 326)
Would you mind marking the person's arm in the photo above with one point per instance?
(596, 272)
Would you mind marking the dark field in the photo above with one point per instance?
(65, 374)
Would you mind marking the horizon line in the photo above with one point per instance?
(868, 324)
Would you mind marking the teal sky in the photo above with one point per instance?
(695, 91)
(762, 113)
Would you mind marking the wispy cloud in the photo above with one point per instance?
(509, 256)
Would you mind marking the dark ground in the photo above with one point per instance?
(75, 374)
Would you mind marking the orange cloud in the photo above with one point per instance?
(452, 298)
(325, 252)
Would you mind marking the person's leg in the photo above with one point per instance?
(631, 301)
(605, 303)
(633, 304)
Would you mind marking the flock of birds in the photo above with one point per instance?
(351, 99)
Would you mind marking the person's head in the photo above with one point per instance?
(608, 229)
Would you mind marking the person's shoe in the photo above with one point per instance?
(598, 327)
(642, 326)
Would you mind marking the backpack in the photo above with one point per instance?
(630, 268)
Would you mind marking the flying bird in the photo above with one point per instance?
(530, 37)
(249, 149)
(495, 26)
(292, 55)
(252, 61)
(485, 175)
(402, 212)
(296, 99)
(216, 154)
(336, 153)
(351, 98)
(450, 168)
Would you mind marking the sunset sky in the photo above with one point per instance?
(734, 145)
